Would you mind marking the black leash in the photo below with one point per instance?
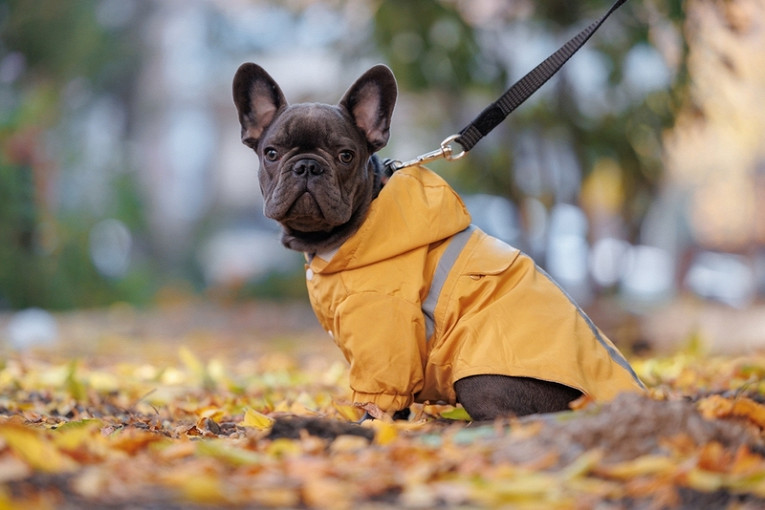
(496, 112)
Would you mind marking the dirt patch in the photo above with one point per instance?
(629, 427)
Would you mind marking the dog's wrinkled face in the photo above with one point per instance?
(309, 168)
(315, 171)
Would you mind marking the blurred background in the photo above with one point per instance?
(636, 176)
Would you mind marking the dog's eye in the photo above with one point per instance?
(346, 157)
(271, 154)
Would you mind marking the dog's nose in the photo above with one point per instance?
(307, 166)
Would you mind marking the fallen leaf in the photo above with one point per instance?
(36, 449)
(374, 411)
(228, 453)
(582, 402)
(717, 406)
(256, 420)
(155, 421)
(283, 447)
(385, 432)
(348, 412)
(456, 413)
(645, 465)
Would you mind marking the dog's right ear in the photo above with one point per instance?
(257, 98)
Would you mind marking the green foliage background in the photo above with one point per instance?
(44, 257)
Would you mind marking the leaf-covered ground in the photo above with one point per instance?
(197, 407)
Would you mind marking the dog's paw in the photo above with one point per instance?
(373, 412)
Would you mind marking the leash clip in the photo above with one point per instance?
(445, 151)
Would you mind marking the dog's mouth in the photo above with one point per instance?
(309, 207)
(306, 215)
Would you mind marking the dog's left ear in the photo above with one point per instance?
(370, 101)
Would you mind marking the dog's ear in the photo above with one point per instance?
(370, 101)
(257, 98)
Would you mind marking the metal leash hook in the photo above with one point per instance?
(445, 151)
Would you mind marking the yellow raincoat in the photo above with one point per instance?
(418, 298)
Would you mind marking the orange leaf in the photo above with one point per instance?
(745, 462)
(714, 407)
(132, 440)
(717, 406)
(581, 402)
(713, 457)
(751, 410)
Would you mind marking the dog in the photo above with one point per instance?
(424, 306)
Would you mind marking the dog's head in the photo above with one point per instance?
(315, 173)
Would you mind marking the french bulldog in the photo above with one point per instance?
(319, 177)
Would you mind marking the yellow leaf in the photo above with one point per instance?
(212, 412)
(695, 347)
(36, 449)
(73, 383)
(72, 435)
(256, 420)
(703, 480)
(191, 361)
(300, 409)
(230, 454)
(196, 367)
(385, 433)
(204, 489)
(540, 489)
(641, 466)
(282, 407)
(348, 411)
(583, 464)
(281, 447)
(216, 370)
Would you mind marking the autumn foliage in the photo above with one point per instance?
(221, 414)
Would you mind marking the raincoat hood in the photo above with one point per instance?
(416, 208)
